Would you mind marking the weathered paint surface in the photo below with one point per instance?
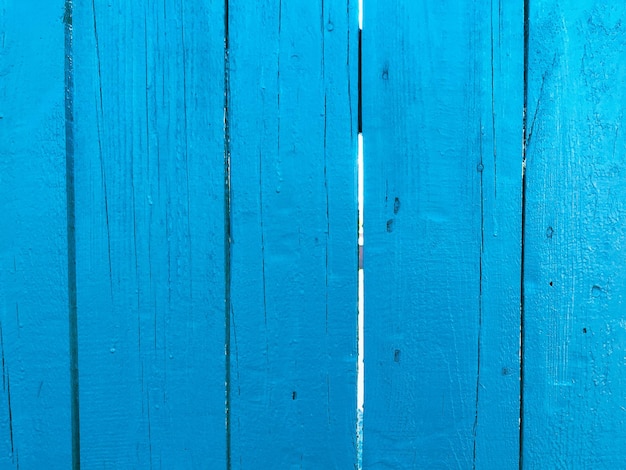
(442, 118)
(178, 180)
(292, 116)
(575, 283)
(34, 394)
(148, 110)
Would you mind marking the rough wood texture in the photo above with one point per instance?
(178, 238)
(34, 394)
(575, 333)
(150, 228)
(293, 140)
(442, 117)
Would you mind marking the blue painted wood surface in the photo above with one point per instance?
(442, 116)
(574, 328)
(178, 241)
(148, 99)
(293, 142)
(34, 395)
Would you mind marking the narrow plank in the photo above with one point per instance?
(293, 131)
(442, 120)
(502, 102)
(35, 427)
(575, 336)
(150, 216)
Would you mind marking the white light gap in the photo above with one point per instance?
(360, 14)
(360, 379)
(361, 308)
(361, 291)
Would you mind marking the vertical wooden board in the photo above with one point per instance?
(442, 122)
(574, 329)
(292, 120)
(502, 104)
(150, 216)
(35, 430)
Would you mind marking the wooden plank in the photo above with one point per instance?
(442, 120)
(293, 138)
(574, 329)
(35, 393)
(150, 217)
(502, 99)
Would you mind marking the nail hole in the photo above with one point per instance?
(396, 206)
(396, 355)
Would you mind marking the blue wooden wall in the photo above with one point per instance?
(443, 87)
(179, 234)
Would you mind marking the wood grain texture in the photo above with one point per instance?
(575, 333)
(501, 102)
(188, 202)
(35, 430)
(293, 141)
(150, 228)
(442, 120)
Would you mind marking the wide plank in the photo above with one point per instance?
(149, 178)
(292, 130)
(574, 288)
(442, 126)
